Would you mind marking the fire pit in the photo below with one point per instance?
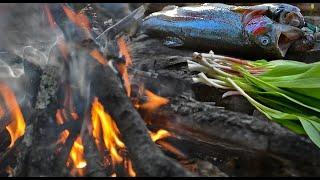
(74, 102)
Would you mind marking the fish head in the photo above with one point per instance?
(273, 38)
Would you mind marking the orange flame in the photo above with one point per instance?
(98, 56)
(171, 149)
(129, 167)
(51, 20)
(79, 19)
(101, 119)
(10, 171)
(124, 50)
(63, 48)
(123, 68)
(64, 134)
(103, 124)
(77, 156)
(17, 126)
(160, 134)
(77, 151)
(125, 76)
(153, 101)
(1, 112)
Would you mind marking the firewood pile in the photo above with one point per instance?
(77, 102)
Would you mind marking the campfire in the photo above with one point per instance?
(78, 121)
(77, 103)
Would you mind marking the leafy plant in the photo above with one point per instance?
(287, 92)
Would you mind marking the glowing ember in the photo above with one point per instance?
(110, 132)
(160, 134)
(98, 56)
(123, 68)
(17, 125)
(153, 101)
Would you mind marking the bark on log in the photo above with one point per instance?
(147, 158)
(42, 129)
(94, 165)
(186, 116)
(150, 55)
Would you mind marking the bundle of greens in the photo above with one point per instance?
(287, 92)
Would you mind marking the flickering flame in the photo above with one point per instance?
(131, 172)
(1, 112)
(17, 126)
(98, 56)
(63, 48)
(79, 19)
(10, 171)
(160, 134)
(123, 68)
(153, 101)
(64, 134)
(171, 149)
(124, 50)
(125, 76)
(101, 120)
(77, 155)
(103, 125)
(51, 20)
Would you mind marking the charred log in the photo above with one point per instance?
(214, 124)
(147, 159)
(94, 165)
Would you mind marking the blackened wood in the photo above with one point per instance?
(42, 130)
(94, 166)
(186, 115)
(147, 159)
(150, 55)
(4, 121)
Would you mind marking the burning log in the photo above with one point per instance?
(196, 119)
(204, 118)
(95, 167)
(147, 159)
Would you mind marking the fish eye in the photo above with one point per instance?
(264, 40)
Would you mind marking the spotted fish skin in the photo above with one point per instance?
(217, 27)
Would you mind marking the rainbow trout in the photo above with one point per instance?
(265, 31)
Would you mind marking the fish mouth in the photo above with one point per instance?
(286, 36)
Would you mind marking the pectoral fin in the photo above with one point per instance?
(173, 42)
